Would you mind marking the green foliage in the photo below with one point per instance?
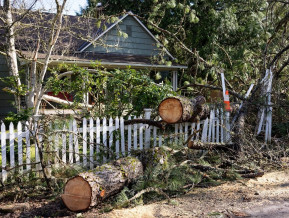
(13, 87)
(227, 34)
(113, 93)
(280, 129)
(22, 115)
(165, 172)
(66, 171)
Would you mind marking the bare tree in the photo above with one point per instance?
(37, 72)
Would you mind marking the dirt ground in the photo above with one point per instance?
(266, 196)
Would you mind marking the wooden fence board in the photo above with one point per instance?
(11, 142)
(84, 143)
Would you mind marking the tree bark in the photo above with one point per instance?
(89, 188)
(11, 50)
(181, 109)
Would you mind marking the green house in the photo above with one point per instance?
(126, 42)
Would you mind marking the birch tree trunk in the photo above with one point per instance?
(11, 50)
(55, 30)
(32, 80)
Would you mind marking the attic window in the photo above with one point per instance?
(128, 30)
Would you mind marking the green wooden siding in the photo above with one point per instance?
(138, 43)
(6, 99)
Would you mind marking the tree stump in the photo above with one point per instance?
(89, 188)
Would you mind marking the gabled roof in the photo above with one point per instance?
(119, 21)
(76, 35)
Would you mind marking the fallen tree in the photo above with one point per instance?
(90, 188)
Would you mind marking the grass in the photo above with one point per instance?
(32, 154)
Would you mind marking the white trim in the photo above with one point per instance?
(123, 65)
(113, 25)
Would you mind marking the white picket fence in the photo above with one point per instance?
(94, 141)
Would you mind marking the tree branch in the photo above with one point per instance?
(286, 63)
(277, 56)
(61, 101)
(235, 94)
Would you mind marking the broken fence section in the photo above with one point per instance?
(94, 141)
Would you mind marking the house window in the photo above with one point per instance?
(128, 30)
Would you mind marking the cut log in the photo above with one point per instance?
(180, 109)
(89, 188)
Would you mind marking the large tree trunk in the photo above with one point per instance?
(89, 188)
(181, 109)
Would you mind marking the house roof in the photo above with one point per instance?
(109, 61)
(78, 33)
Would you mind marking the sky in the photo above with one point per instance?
(75, 5)
(72, 6)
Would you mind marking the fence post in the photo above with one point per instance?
(64, 144)
(104, 140)
(20, 150)
(3, 152)
(110, 136)
(28, 149)
(11, 144)
(129, 137)
(70, 143)
(75, 141)
(84, 133)
(117, 140)
(135, 135)
(91, 143)
(147, 127)
(217, 126)
(122, 137)
(204, 137)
